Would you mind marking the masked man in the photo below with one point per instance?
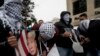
(90, 29)
(10, 15)
(47, 32)
(63, 41)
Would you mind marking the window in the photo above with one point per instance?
(97, 3)
(79, 6)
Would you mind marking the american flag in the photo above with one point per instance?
(22, 49)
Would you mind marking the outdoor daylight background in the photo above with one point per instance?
(47, 10)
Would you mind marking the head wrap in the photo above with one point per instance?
(13, 9)
(11, 14)
(47, 31)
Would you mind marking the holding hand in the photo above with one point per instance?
(12, 40)
(84, 39)
(66, 34)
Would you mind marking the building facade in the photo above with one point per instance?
(77, 7)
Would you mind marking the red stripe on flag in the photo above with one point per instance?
(23, 44)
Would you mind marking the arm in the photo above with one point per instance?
(61, 32)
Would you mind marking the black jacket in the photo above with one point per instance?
(5, 49)
(60, 40)
(61, 28)
(93, 33)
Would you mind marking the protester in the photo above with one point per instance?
(40, 22)
(47, 32)
(37, 25)
(10, 14)
(64, 44)
(88, 34)
(83, 17)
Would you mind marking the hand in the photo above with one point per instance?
(66, 34)
(87, 40)
(84, 39)
(12, 40)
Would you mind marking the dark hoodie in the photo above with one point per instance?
(61, 26)
(5, 48)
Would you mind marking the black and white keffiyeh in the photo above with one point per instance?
(11, 14)
(47, 30)
(13, 9)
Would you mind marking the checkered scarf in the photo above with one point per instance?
(11, 14)
(47, 31)
(13, 9)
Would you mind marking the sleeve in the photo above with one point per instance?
(59, 32)
(59, 28)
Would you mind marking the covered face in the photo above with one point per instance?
(65, 17)
(13, 9)
(47, 31)
(10, 13)
(84, 25)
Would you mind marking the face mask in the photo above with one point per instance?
(66, 18)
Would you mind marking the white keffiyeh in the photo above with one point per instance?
(47, 30)
(11, 14)
(13, 9)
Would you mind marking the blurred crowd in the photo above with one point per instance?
(24, 37)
